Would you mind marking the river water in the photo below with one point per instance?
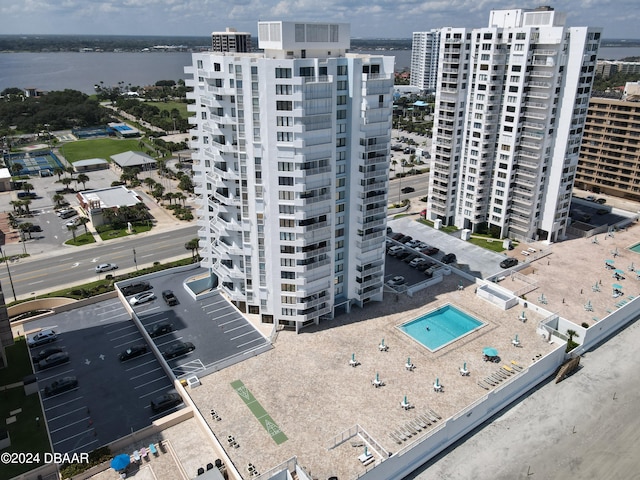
(81, 71)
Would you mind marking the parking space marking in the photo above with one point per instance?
(73, 436)
(140, 365)
(211, 312)
(241, 345)
(66, 425)
(115, 317)
(163, 344)
(82, 448)
(136, 332)
(63, 404)
(164, 319)
(68, 413)
(163, 377)
(244, 325)
(126, 327)
(128, 342)
(154, 392)
(55, 375)
(147, 310)
(145, 373)
(230, 321)
(190, 367)
(243, 334)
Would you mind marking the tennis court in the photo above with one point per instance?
(33, 163)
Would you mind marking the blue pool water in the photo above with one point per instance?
(446, 324)
(122, 128)
(635, 248)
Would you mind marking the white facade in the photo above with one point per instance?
(509, 150)
(424, 59)
(291, 170)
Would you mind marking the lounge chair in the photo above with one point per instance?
(482, 385)
(516, 366)
(395, 438)
(435, 414)
(426, 419)
(508, 369)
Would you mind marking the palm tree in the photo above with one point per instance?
(17, 205)
(58, 171)
(73, 229)
(16, 168)
(168, 196)
(69, 170)
(193, 245)
(83, 179)
(571, 334)
(157, 192)
(66, 181)
(394, 163)
(25, 204)
(180, 196)
(58, 199)
(83, 221)
(27, 187)
(25, 228)
(149, 182)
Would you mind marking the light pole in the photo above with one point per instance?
(134, 259)
(6, 261)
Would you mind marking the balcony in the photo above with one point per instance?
(538, 105)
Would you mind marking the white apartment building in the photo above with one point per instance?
(291, 170)
(424, 59)
(510, 109)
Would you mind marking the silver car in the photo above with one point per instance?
(105, 267)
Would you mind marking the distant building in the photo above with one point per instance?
(606, 68)
(90, 164)
(94, 202)
(132, 159)
(231, 41)
(424, 60)
(609, 156)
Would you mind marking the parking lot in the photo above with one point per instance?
(113, 397)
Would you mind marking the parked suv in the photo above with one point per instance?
(68, 213)
(509, 262)
(135, 287)
(170, 298)
(42, 337)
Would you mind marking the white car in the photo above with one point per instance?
(73, 223)
(143, 297)
(396, 281)
(105, 267)
(417, 261)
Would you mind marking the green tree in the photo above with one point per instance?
(66, 181)
(83, 221)
(149, 182)
(73, 229)
(27, 187)
(179, 196)
(58, 199)
(25, 228)
(58, 171)
(193, 245)
(157, 192)
(16, 168)
(83, 179)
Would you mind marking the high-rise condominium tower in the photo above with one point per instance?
(291, 170)
(424, 59)
(231, 41)
(511, 103)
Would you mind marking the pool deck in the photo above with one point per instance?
(307, 386)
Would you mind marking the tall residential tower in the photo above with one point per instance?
(510, 109)
(424, 60)
(291, 170)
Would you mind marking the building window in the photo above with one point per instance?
(284, 105)
(199, 64)
(283, 89)
(342, 70)
(285, 136)
(284, 121)
(285, 181)
(283, 73)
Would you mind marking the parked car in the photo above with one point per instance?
(53, 360)
(42, 354)
(396, 281)
(169, 298)
(508, 262)
(105, 267)
(178, 349)
(590, 198)
(74, 223)
(412, 243)
(135, 287)
(397, 236)
(602, 211)
(159, 329)
(424, 265)
(405, 239)
(429, 250)
(141, 298)
(416, 261)
(61, 385)
(407, 189)
(165, 402)
(133, 352)
(27, 195)
(448, 258)
(67, 213)
(410, 258)
(42, 337)
(601, 201)
(395, 250)
(34, 228)
(403, 254)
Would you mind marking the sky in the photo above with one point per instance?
(368, 18)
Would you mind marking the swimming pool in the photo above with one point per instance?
(440, 327)
(635, 248)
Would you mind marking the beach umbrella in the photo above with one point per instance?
(618, 271)
(366, 452)
(464, 367)
(120, 462)
(617, 286)
(490, 351)
(377, 377)
(437, 382)
(405, 400)
(609, 262)
(408, 360)
(382, 342)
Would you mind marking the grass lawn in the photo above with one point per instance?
(84, 239)
(98, 148)
(27, 434)
(168, 106)
(488, 243)
(122, 232)
(449, 229)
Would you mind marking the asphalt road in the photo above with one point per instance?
(74, 265)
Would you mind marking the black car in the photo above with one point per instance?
(165, 402)
(61, 385)
(178, 349)
(448, 258)
(405, 239)
(161, 328)
(402, 255)
(508, 262)
(135, 287)
(170, 298)
(410, 257)
(424, 265)
(133, 352)
(408, 190)
(601, 201)
(53, 360)
(47, 352)
(34, 228)
(397, 236)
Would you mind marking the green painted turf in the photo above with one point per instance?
(260, 413)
